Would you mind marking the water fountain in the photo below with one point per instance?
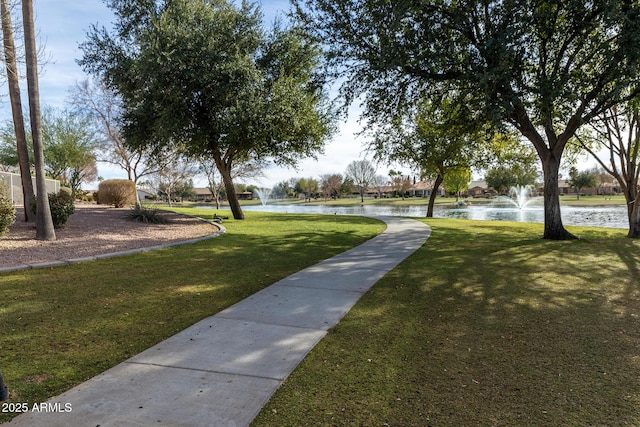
(263, 194)
(522, 206)
(519, 197)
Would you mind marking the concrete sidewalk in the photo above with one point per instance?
(222, 370)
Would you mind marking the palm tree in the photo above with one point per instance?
(44, 223)
(16, 109)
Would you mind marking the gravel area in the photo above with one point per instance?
(94, 230)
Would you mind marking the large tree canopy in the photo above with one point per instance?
(438, 139)
(543, 67)
(202, 74)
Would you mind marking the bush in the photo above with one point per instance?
(147, 215)
(7, 210)
(117, 192)
(7, 214)
(61, 206)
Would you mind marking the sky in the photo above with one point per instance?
(62, 25)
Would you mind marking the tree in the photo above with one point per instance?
(174, 180)
(606, 182)
(379, 182)
(9, 148)
(399, 182)
(331, 185)
(614, 141)
(44, 222)
(435, 139)
(362, 174)
(543, 68)
(457, 181)
(306, 186)
(282, 189)
(580, 180)
(103, 107)
(69, 146)
(202, 75)
(501, 179)
(243, 170)
(22, 149)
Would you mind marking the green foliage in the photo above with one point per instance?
(543, 68)
(117, 192)
(205, 73)
(69, 145)
(501, 179)
(457, 180)
(7, 210)
(580, 180)
(147, 215)
(307, 186)
(61, 206)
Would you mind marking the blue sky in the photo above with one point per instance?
(62, 26)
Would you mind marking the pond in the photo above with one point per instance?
(596, 216)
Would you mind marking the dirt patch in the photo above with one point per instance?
(94, 230)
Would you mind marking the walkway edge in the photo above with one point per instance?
(222, 370)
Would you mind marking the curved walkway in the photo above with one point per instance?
(223, 369)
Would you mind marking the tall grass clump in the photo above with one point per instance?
(147, 215)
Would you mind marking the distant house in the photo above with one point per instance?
(478, 189)
(202, 194)
(424, 189)
(381, 191)
(563, 186)
(145, 195)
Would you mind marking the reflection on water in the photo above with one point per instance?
(596, 216)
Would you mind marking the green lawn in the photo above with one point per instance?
(63, 325)
(486, 325)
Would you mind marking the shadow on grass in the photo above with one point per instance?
(64, 325)
(485, 325)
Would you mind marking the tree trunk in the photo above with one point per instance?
(553, 228)
(634, 219)
(633, 208)
(225, 171)
(16, 110)
(434, 194)
(44, 223)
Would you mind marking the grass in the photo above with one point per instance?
(488, 325)
(63, 325)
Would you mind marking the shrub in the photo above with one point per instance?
(117, 192)
(148, 215)
(7, 212)
(61, 206)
